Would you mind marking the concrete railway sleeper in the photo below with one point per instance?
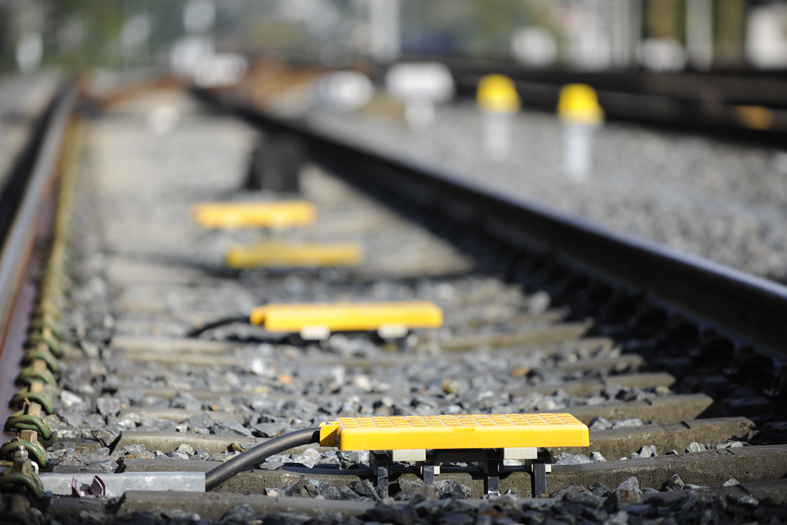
(542, 377)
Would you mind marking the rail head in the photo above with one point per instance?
(18, 243)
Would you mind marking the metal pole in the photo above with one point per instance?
(699, 33)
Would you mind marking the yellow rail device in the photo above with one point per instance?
(497, 93)
(253, 214)
(579, 103)
(288, 255)
(333, 317)
(478, 431)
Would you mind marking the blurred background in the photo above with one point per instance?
(651, 35)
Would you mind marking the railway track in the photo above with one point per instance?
(672, 362)
(750, 104)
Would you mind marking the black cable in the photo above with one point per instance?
(255, 455)
(221, 322)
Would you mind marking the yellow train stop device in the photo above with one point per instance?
(317, 321)
(487, 440)
(253, 214)
(477, 431)
(279, 254)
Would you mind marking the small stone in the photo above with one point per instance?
(155, 424)
(271, 429)
(71, 418)
(69, 399)
(562, 493)
(241, 514)
(599, 423)
(133, 449)
(89, 348)
(186, 401)
(273, 462)
(673, 483)
(622, 499)
(599, 489)
(564, 458)
(92, 422)
(628, 423)
(135, 395)
(597, 457)
(672, 452)
(125, 423)
(309, 488)
(186, 448)
(352, 459)
(695, 447)
(312, 453)
(448, 488)
(662, 390)
(302, 459)
(107, 435)
(105, 465)
(425, 493)
(222, 456)
(584, 498)
(108, 406)
(349, 494)
(731, 482)
(362, 382)
(648, 451)
(365, 489)
(631, 484)
(230, 428)
(328, 491)
(691, 486)
(177, 454)
(202, 420)
(201, 455)
(743, 499)
(328, 460)
(538, 303)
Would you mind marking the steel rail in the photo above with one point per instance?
(20, 237)
(765, 88)
(737, 303)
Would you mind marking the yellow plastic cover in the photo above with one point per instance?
(347, 316)
(475, 431)
(579, 103)
(282, 254)
(497, 93)
(253, 214)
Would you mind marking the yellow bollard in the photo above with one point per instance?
(498, 100)
(581, 115)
